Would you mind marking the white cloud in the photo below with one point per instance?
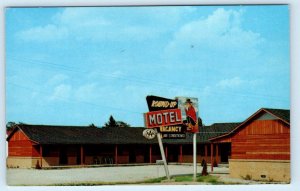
(75, 23)
(57, 79)
(43, 33)
(237, 82)
(115, 23)
(61, 92)
(80, 17)
(106, 75)
(230, 83)
(83, 24)
(220, 31)
(117, 73)
(232, 86)
(87, 92)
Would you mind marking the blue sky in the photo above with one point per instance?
(77, 66)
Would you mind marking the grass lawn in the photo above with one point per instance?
(182, 178)
(205, 179)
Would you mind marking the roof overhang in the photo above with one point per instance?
(247, 121)
(17, 127)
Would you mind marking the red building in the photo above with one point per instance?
(260, 146)
(31, 146)
(257, 148)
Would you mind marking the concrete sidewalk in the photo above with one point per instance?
(98, 174)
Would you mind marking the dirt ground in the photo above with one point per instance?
(104, 174)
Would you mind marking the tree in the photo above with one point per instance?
(113, 123)
(122, 124)
(200, 122)
(10, 125)
(92, 125)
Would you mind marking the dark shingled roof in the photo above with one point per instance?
(48, 134)
(216, 130)
(283, 114)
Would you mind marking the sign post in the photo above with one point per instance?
(163, 155)
(195, 155)
(171, 119)
(190, 113)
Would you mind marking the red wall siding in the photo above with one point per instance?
(262, 139)
(19, 145)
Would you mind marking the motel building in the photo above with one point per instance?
(258, 147)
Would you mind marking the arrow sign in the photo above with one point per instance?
(156, 103)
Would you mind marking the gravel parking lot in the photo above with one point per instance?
(97, 174)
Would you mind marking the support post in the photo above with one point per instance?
(41, 155)
(116, 154)
(217, 152)
(81, 155)
(180, 151)
(211, 156)
(150, 154)
(195, 155)
(163, 155)
(205, 151)
(166, 152)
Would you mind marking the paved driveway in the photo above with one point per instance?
(99, 174)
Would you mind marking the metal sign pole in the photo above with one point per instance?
(163, 155)
(195, 156)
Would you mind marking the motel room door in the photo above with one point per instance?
(146, 154)
(173, 152)
(132, 156)
(63, 157)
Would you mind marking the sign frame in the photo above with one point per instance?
(155, 119)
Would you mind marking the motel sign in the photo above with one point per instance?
(163, 118)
